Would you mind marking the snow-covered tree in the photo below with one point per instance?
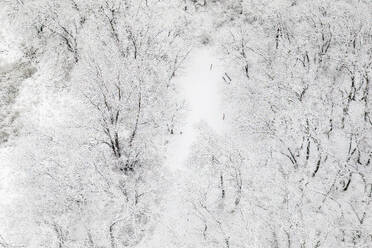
(95, 120)
(302, 101)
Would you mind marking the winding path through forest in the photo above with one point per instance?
(199, 83)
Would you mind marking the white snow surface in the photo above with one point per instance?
(199, 82)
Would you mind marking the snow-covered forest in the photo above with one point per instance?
(185, 123)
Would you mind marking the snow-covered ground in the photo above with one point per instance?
(10, 55)
(199, 83)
